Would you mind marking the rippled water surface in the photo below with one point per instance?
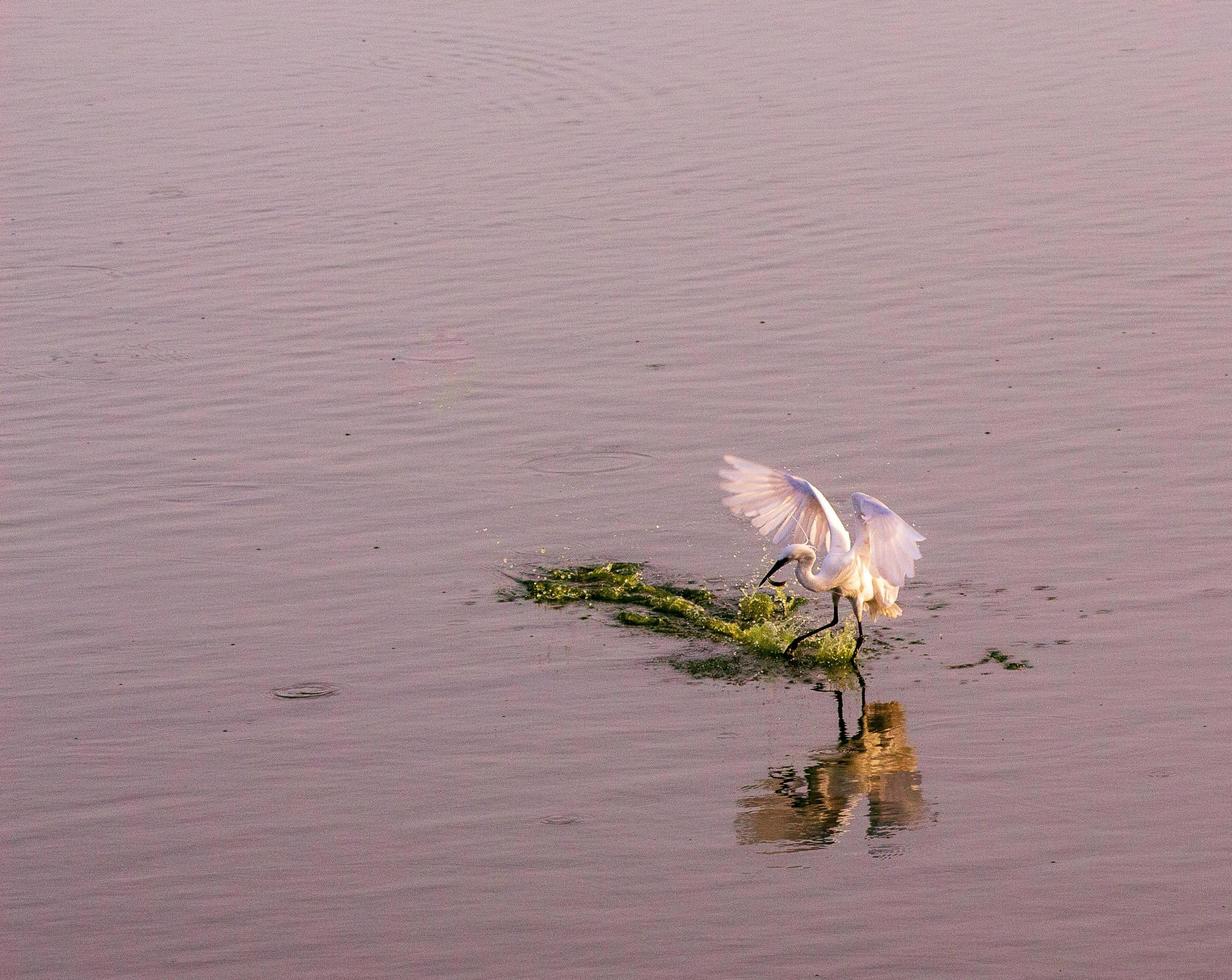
(319, 316)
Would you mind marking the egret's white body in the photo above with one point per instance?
(868, 570)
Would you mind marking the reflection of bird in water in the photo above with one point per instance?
(812, 807)
(792, 512)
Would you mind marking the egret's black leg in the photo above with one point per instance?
(842, 724)
(859, 639)
(791, 647)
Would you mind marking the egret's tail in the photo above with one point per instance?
(891, 611)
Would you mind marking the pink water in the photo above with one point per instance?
(316, 316)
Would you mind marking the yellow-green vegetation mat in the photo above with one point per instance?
(758, 625)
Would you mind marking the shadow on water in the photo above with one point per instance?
(812, 806)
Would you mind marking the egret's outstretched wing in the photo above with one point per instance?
(785, 508)
(891, 541)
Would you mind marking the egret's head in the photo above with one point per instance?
(793, 552)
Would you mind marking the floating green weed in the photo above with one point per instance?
(720, 668)
(759, 624)
(995, 656)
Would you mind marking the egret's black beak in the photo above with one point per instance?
(777, 565)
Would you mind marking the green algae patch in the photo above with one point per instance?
(995, 656)
(758, 625)
(715, 668)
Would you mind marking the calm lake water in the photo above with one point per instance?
(319, 316)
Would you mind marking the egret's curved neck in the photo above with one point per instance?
(811, 580)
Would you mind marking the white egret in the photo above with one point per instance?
(792, 512)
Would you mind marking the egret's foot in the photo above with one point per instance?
(791, 647)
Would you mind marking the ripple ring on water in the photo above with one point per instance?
(586, 461)
(312, 689)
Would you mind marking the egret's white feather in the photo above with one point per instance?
(889, 542)
(785, 508)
